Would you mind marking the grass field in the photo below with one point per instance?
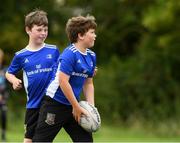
(107, 133)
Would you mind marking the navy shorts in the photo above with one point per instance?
(31, 118)
(52, 117)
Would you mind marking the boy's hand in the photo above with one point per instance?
(17, 84)
(95, 71)
(78, 111)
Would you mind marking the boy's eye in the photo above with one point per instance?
(39, 30)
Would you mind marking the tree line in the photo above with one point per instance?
(137, 49)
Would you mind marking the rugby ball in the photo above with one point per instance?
(92, 122)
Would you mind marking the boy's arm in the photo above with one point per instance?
(95, 71)
(88, 90)
(68, 92)
(16, 83)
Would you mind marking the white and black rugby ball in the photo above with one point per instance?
(92, 122)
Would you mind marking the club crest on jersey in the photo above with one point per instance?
(49, 56)
(50, 118)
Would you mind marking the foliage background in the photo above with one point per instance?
(137, 51)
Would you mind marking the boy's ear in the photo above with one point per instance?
(27, 30)
(80, 36)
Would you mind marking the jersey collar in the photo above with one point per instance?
(34, 50)
(79, 50)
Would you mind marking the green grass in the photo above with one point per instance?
(107, 133)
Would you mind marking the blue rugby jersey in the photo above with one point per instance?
(38, 67)
(78, 66)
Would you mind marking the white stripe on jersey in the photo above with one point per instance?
(71, 47)
(91, 52)
(21, 51)
(74, 50)
(53, 86)
(45, 45)
(50, 46)
(25, 79)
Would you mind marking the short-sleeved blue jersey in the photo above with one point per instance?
(79, 66)
(38, 67)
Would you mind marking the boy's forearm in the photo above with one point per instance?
(88, 90)
(10, 77)
(67, 89)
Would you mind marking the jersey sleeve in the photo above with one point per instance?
(67, 60)
(15, 66)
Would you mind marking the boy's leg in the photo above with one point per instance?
(49, 122)
(31, 118)
(76, 132)
(4, 122)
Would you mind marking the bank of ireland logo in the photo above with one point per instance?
(38, 66)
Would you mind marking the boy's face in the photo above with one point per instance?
(89, 37)
(37, 34)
